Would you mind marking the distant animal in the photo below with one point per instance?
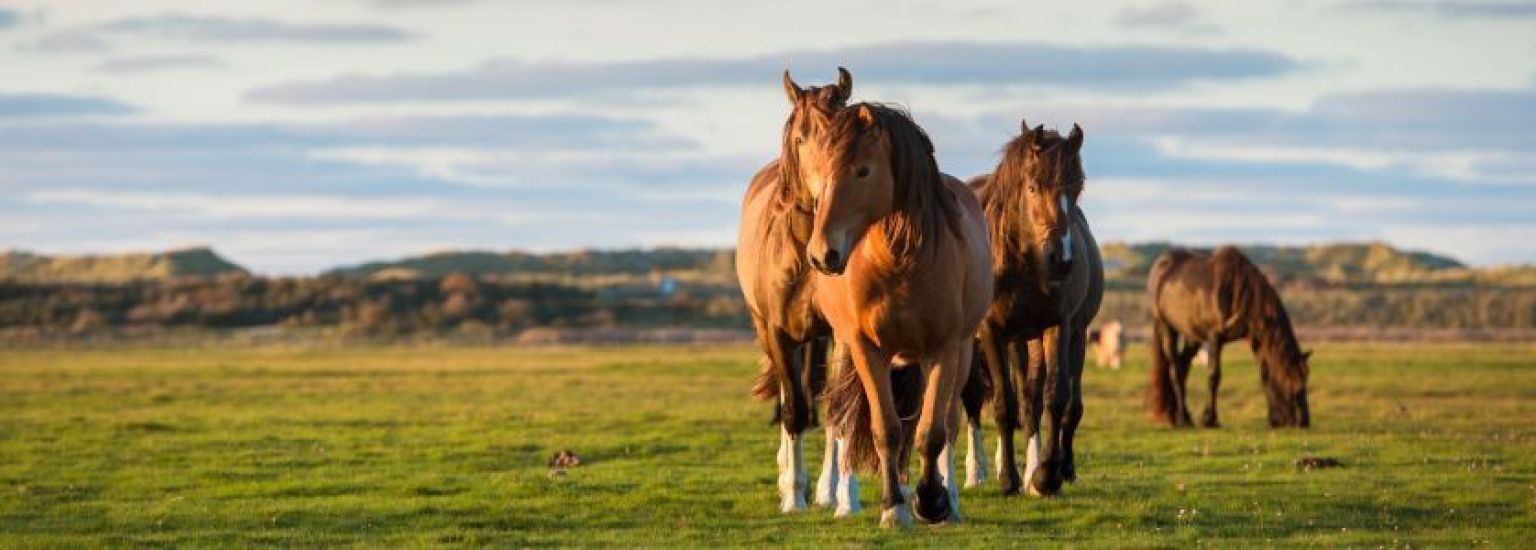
(1108, 344)
(903, 278)
(1048, 284)
(1208, 300)
(776, 283)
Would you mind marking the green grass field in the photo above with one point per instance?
(429, 446)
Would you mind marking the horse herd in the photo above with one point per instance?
(928, 298)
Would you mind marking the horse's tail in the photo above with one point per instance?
(766, 386)
(848, 410)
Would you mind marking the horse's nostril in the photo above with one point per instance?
(831, 260)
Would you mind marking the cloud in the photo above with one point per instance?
(1458, 9)
(9, 18)
(1164, 15)
(226, 207)
(34, 105)
(214, 29)
(158, 63)
(923, 63)
(227, 29)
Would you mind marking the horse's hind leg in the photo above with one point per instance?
(1209, 419)
(973, 397)
(826, 483)
(1079, 355)
(1005, 406)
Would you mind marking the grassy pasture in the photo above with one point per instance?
(429, 446)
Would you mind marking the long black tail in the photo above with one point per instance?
(848, 410)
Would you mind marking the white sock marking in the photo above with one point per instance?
(826, 484)
(792, 474)
(847, 484)
(947, 477)
(1032, 460)
(975, 458)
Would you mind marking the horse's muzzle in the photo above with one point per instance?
(832, 263)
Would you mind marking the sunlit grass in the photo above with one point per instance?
(428, 446)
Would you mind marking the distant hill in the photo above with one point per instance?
(580, 263)
(1335, 263)
(114, 268)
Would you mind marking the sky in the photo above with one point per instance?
(294, 136)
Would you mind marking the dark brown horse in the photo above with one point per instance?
(903, 278)
(1200, 299)
(775, 280)
(1048, 283)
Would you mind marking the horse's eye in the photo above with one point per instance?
(862, 172)
(799, 140)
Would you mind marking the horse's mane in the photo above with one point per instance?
(1253, 301)
(1002, 195)
(923, 205)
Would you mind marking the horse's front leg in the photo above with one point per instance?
(934, 501)
(874, 370)
(1047, 479)
(793, 417)
(1209, 420)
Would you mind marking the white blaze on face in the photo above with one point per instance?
(1066, 238)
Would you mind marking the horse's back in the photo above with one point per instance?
(1182, 291)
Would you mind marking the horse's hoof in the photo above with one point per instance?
(1209, 421)
(1008, 479)
(846, 510)
(931, 503)
(1069, 474)
(896, 516)
(1046, 481)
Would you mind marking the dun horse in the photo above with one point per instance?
(1210, 300)
(1048, 282)
(775, 280)
(903, 278)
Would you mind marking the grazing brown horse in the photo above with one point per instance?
(1208, 300)
(1048, 283)
(903, 278)
(775, 280)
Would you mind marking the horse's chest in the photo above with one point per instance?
(1024, 308)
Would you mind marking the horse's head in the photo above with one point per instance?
(850, 179)
(1046, 172)
(1288, 401)
(811, 110)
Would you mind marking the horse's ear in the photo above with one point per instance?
(867, 114)
(844, 84)
(1024, 125)
(1306, 356)
(1034, 136)
(1075, 139)
(792, 90)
